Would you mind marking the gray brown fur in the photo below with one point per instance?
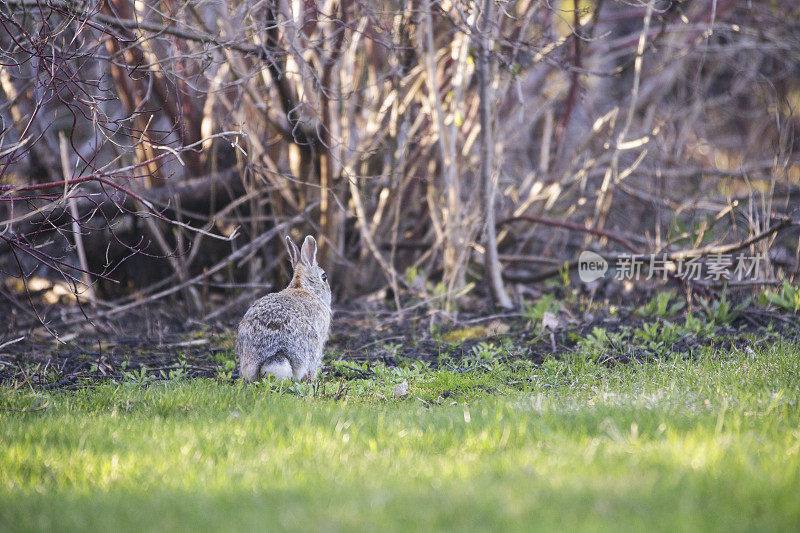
(285, 332)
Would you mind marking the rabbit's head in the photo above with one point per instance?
(308, 275)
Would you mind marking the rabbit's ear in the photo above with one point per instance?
(309, 251)
(291, 247)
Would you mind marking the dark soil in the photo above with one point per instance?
(163, 343)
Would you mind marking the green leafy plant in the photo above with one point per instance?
(601, 339)
(670, 333)
(662, 305)
(138, 377)
(786, 298)
(596, 340)
(721, 311)
(484, 352)
(299, 388)
(52, 375)
(225, 370)
(351, 369)
(224, 355)
(410, 369)
(649, 331)
(174, 374)
(698, 327)
(535, 312)
(658, 336)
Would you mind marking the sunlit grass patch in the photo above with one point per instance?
(703, 443)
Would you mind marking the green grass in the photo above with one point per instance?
(709, 444)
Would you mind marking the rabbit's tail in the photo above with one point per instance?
(278, 366)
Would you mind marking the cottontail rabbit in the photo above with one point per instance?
(283, 333)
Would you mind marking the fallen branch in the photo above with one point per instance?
(671, 257)
(573, 226)
(730, 248)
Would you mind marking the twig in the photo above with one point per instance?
(76, 230)
(9, 343)
(573, 226)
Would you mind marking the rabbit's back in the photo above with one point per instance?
(291, 324)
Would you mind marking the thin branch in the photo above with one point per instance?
(573, 226)
(491, 263)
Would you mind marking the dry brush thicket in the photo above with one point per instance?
(160, 148)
